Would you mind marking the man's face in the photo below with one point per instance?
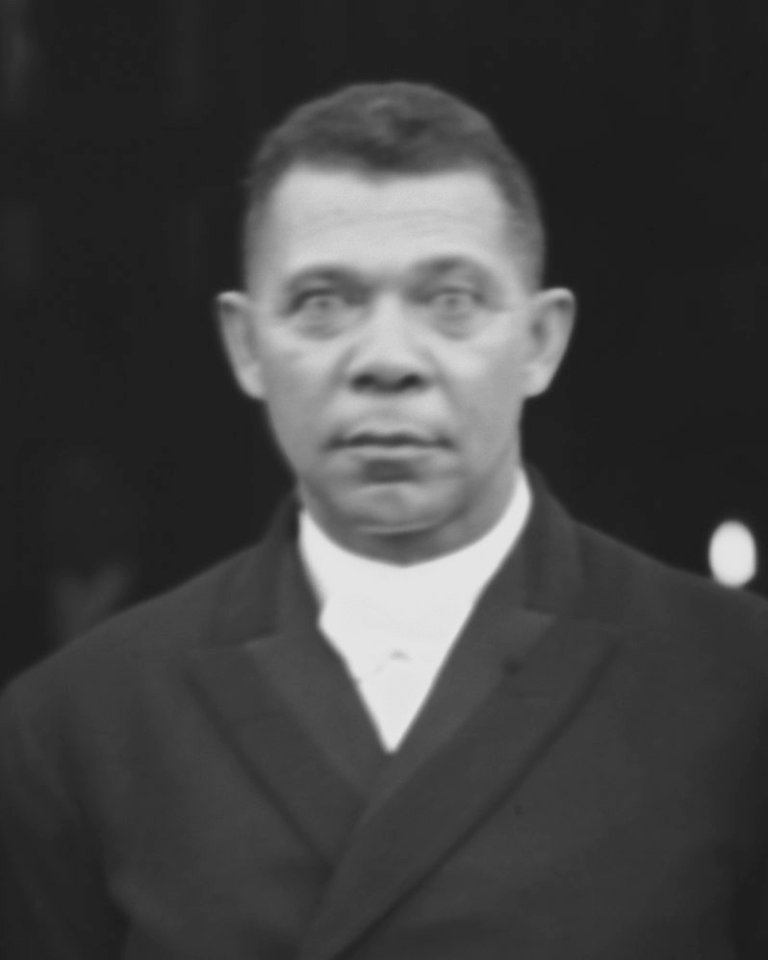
(388, 327)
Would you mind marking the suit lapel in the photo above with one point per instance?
(281, 698)
(487, 643)
(515, 680)
(527, 662)
(416, 825)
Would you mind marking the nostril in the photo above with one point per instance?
(382, 382)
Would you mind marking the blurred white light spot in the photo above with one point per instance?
(733, 554)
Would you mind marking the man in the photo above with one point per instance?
(430, 715)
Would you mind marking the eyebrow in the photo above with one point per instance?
(434, 269)
(336, 274)
(329, 274)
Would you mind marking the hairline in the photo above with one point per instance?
(531, 263)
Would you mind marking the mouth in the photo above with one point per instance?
(387, 455)
(388, 437)
(388, 440)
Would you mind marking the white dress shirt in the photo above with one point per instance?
(394, 626)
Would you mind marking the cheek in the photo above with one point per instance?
(490, 414)
(289, 383)
(491, 395)
(294, 401)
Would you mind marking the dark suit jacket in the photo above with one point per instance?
(197, 779)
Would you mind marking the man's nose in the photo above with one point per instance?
(387, 357)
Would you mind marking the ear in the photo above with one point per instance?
(551, 319)
(237, 329)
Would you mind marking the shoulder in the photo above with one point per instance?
(691, 613)
(593, 575)
(138, 644)
(623, 573)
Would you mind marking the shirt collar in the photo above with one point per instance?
(405, 595)
(370, 610)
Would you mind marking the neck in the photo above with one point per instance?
(408, 547)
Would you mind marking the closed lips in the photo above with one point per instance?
(388, 440)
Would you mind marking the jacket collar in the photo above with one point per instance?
(523, 667)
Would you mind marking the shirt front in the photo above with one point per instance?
(394, 626)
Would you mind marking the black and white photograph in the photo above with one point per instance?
(384, 525)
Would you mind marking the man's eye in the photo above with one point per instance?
(320, 312)
(455, 299)
(318, 301)
(454, 306)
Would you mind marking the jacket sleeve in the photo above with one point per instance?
(54, 903)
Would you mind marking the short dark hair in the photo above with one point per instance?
(390, 129)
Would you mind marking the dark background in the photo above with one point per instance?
(124, 127)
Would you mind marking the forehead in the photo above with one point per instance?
(335, 216)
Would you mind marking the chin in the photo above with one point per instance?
(389, 511)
